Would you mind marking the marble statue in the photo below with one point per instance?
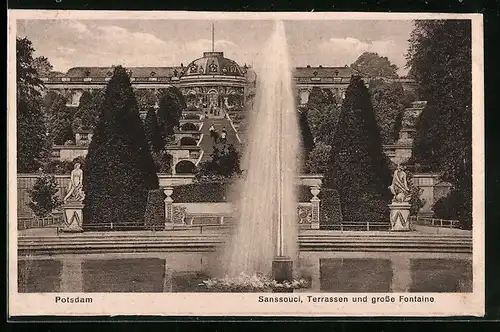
(75, 192)
(399, 187)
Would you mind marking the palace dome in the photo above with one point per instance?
(213, 63)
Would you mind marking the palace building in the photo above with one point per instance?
(215, 89)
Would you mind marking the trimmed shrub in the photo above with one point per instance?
(154, 217)
(208, 192)
(163, 162)
(203, 192)
(119, 168)
(224, 163)
(188, 141)
(358, 167)
(329, 211)
(453, 207)
(43, 196)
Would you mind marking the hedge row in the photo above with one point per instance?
(207, 192)
(330, 211)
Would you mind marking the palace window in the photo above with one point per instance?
(213, 67)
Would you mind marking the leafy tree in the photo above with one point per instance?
(42, 66)
(328, 124)
(87, 113)
(358, 168)
(60, 121)
(33, 146)
(163, 161)
(146, 98)
(440, 60)
(374, 65)
(152, 130)
(119, 166)
(388, 100)
(317, 98)
(224, 163)
(323, 110)
(317, 161)
(171, 105)
(43, 195)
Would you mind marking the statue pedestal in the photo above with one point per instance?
(400, 213)
(73, 217)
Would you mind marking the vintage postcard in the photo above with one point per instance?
(245, 164)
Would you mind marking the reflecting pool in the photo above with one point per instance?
(184, 271)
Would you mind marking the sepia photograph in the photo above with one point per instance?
(175, 163)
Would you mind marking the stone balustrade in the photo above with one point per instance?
(182, 214)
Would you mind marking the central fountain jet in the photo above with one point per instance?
(265, 239)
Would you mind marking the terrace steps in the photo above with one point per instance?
(166, 241)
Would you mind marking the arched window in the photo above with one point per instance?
(188, 141)
(185, 167)
(188, 126)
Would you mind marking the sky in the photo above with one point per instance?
(167, 42)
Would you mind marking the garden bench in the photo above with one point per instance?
(189, 218)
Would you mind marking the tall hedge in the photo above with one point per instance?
(119, 167)
(307, 139)
(330, 212)
(358, 167)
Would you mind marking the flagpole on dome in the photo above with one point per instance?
(213, 38)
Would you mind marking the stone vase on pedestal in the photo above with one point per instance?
(73, 217)
(400, 213)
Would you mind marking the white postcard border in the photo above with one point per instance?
(247, 304)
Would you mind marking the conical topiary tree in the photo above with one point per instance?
(358, 168)
(119, 166)
(307, 139)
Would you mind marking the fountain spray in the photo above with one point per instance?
(265, 238)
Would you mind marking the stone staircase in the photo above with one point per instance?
(207, 142)
(209, 238)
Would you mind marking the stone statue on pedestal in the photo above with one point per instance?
(73, 202)
(75, 192)
(400, 206)
(399, 187)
